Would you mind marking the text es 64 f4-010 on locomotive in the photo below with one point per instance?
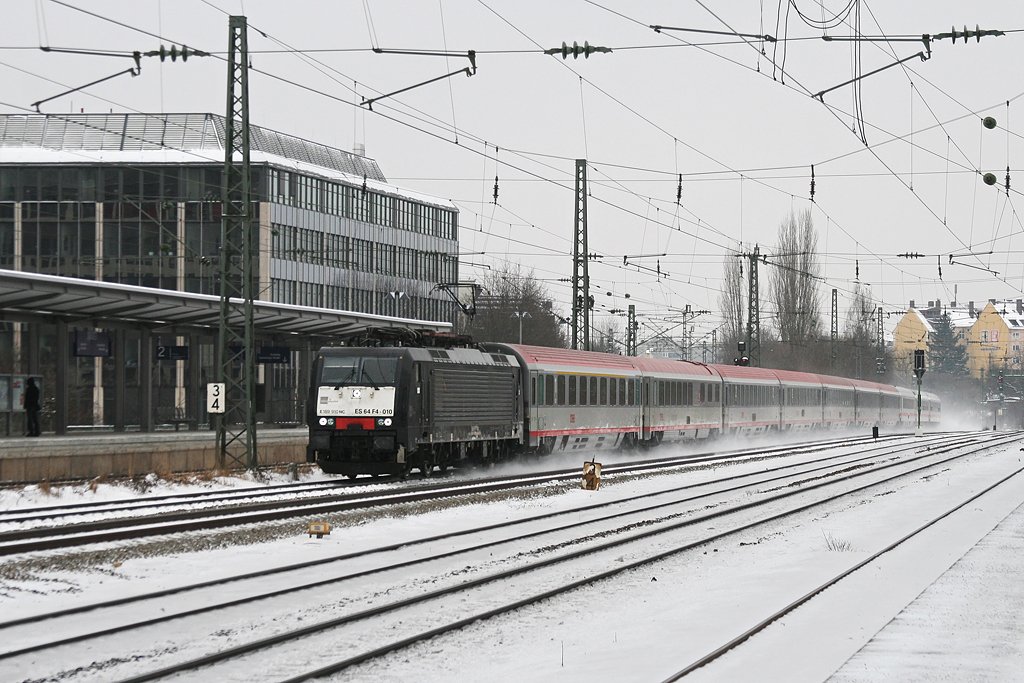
(389, 409)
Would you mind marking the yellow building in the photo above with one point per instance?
(992, 335)
(994, 341)
(912, 332)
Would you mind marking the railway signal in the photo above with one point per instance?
(742, 360)
(919, 373)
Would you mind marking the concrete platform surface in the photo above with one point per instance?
(86, 456)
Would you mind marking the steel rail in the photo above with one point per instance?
(47, 512)
(31, 540)
(258, 645)
(448, 535)
(793, 606)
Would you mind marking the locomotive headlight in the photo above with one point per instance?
(330, 421)
(323, 421)
(387, 421)
(380, 422)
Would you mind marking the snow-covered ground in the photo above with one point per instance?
(944, 606)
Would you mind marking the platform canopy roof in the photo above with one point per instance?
(31, 297)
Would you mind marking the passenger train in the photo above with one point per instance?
(442, 400)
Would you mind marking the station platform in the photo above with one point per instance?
(129, 454)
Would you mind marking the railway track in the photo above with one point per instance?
(793, 606)
(851, 468)
(176, 514)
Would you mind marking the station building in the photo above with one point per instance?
(131, 203)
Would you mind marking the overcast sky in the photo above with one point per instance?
(735, 116)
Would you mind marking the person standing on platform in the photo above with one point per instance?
(32, 408)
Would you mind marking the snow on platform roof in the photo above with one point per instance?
(182, 132)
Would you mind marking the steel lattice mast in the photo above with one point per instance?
(880, 343)
(754, 312)
(835, 330)
(631, 331)
(580, 269)
(236, 353)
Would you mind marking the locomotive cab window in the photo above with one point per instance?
(348, 370)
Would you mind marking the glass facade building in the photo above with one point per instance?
(135, 199)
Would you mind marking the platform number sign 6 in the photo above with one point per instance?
(215, 397)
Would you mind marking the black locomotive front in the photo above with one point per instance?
(357, 410)
(387, 410)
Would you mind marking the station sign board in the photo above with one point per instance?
(274, 354)
(167, 352)
(215, 397)
(91, 344)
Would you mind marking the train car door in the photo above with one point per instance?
(646, 408)
(536, 399)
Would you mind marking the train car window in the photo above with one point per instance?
(549, 390)
(583, 390)
(632, 392)
(603, 395)
(593, 391)
(560, 381)
(572, 390)
(534, 397)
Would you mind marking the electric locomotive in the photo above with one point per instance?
(385, 410)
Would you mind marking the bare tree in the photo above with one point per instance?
(514, 307)
(732, 303)
(609, 336)
(856, 355)
(793, 282)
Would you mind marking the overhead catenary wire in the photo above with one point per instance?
(670, 226)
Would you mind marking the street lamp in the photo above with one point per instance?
(521, 315)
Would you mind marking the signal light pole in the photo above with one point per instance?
(919, 373)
